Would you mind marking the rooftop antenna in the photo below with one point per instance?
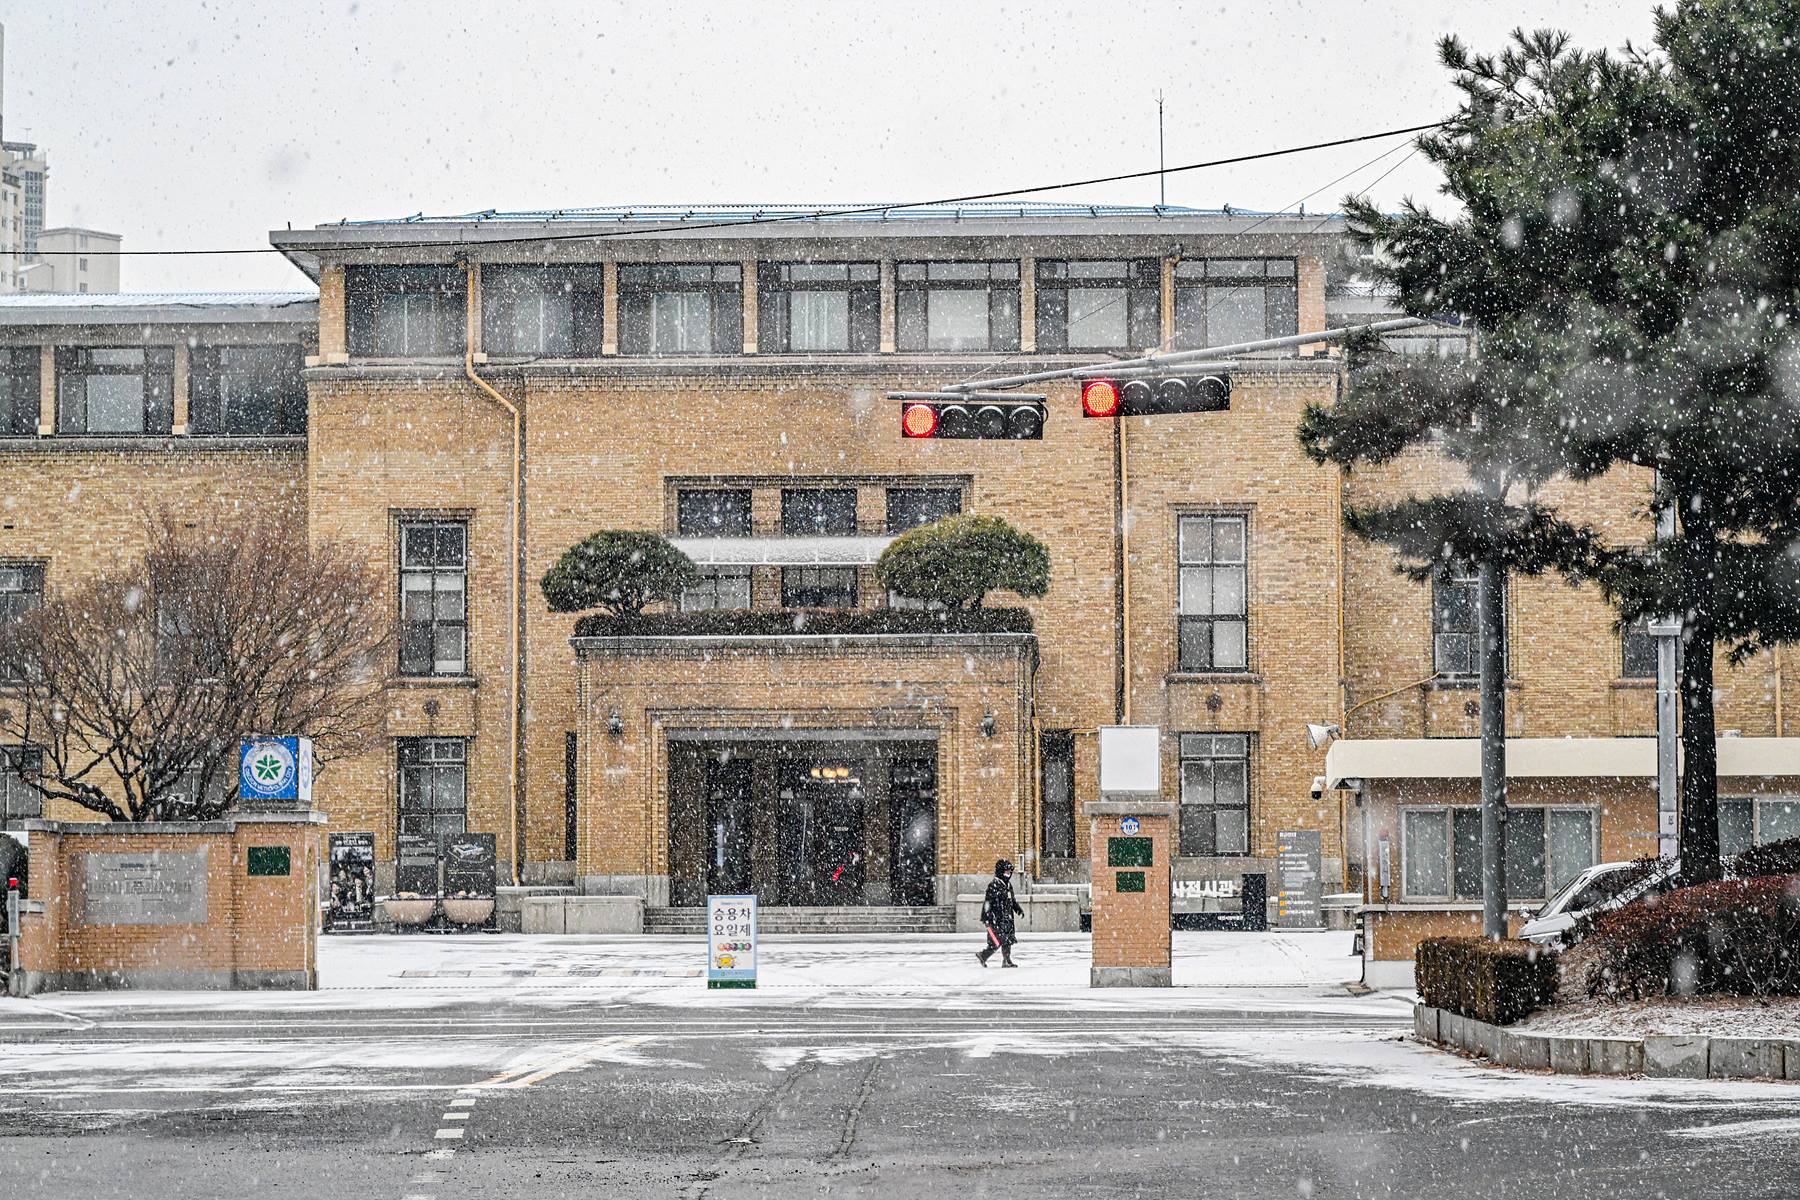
(1162, 179)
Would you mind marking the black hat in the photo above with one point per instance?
(1003, 867)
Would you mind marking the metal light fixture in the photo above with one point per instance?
(987, 724)
(615, 724)
(1318, 735)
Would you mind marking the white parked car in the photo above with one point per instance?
(1601, 887)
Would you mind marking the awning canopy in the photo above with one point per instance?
(783, 551)
(1544, 758)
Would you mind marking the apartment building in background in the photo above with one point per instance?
(720, 377)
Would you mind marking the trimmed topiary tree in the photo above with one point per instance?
(618, 570)
(958, 560)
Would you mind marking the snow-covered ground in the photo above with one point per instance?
(1723, 1016)
(1278, 970)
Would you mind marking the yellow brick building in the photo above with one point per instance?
(482, 392)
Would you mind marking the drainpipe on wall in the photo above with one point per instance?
(517, 617)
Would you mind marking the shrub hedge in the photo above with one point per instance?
(1770, 858)
(1738, 937)
(751, 623)
(1496, 982)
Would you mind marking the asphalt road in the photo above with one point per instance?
(626, 1100)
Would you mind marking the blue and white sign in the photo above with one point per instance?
(731, 941)
(1129, 826)
(276, 768)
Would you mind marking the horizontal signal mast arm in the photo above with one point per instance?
(1154, 362)
(961, 397)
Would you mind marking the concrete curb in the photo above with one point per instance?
(1659, 1057)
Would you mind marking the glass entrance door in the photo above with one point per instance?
(821, 817)
(912, 828)
(728, 825)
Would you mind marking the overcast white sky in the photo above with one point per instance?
(208, 124)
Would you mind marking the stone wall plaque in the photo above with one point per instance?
(156, 887)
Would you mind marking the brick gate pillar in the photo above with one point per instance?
(1131, 836)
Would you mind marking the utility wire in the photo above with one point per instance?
(865, 210)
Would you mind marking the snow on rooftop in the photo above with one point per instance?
(36, 300)
(751, 213)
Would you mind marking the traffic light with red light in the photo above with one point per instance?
(1149, 397)
(1018, 422)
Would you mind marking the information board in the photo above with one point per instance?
(731, 941)
(469, 865)
(416, 866)
(1297, 870)
(352, 879)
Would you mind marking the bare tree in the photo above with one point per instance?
(137, 686)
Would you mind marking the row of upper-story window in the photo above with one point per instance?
(817, 307)
(231, 390)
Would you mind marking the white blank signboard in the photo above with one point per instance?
(1130, 758)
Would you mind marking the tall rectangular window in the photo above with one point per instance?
(115, 389)
(1456, 623)
(818, 308)
(1225, 301)
(18, 799)
(21, 590)
(712, 512)
(434, 799)
(405, 312)
(672, 308)
(1056, 758)
(911, 507)
(20, 398)
(1545, 848)
(1637, 651)
(1215, 794)
(816, 512)
(818, 587)
(434, 578)
(1754, 821)
(543, 312)
(956, 306)
(249, 390)
(1112, 305)
(718, 588)
(1213, 601)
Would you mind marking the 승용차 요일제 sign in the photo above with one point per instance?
(731, 941)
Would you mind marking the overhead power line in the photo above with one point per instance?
(813, 215)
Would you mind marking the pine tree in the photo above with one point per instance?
(1492, 411)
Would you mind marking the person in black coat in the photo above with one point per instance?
(998, 909)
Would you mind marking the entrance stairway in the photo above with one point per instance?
(854, 919)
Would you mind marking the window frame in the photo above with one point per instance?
(440, 321)
(1461, 575)
(706, 595)
(1194, 280)
(792, 585)
(894, 528)
(13, 769)
(21, 390)
(836, 526)
(1139, 278)
(407, 664)
(432, 767)
(1063, 742)
(685, 528)
(1638, 630)
(1245, 755)
(914, 286)
(1449, 811)
(583, 284)
(639, 286)
(1757, 802)
(776, 290)
(28, 569)
(280, 381)
(1213, 565)
(155, 371)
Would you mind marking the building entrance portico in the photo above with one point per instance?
(832, 820)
